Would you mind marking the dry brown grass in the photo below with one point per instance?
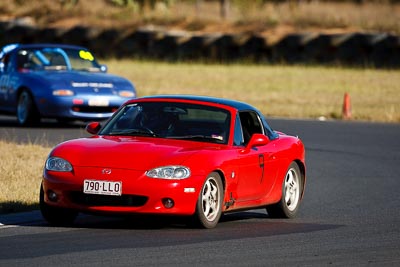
(271, 19)
(20, 175)
(281, 91)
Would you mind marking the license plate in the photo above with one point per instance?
(102, 187)
(99, 102)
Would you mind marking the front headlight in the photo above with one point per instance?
(169, 172)
(58, 165)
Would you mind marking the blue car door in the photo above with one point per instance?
(5, 82)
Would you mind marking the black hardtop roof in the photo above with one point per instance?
(223, 101)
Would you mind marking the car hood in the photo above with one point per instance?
(135, 153)
(81, 79)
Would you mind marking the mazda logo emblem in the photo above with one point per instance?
(106, 171)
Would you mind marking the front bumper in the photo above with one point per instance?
(140, 194)
(79, 107)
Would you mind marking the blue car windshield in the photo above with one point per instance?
(54, 58)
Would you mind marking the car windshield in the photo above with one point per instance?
(171, 120)
(55, 58)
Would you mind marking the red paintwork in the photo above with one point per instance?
(130, 157)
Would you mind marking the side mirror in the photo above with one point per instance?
(93, 127)
(256, 140)
(103, 68)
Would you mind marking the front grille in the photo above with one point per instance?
(87, 109)
(103, 200)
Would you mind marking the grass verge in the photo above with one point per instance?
(20, 175)
(281, 91)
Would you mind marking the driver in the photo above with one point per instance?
(159, 122)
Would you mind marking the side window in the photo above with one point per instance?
(11, 63)
(4, 62)
(251, 124)
(238, 135)
(22, 60)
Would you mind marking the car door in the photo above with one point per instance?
(4, 80)
(256, 166)
(9, 81)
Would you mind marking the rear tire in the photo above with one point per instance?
(292, 190)
(56, 216)
(27, 113)
(209, 204)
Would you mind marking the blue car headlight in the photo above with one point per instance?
(169, 172)
(58, 164)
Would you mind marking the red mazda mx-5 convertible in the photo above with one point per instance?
(176, 155)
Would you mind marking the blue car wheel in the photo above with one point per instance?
(26, 110)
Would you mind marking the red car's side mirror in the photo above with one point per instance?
(256, 140)
(93, 127)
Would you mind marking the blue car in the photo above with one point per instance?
(58, 81)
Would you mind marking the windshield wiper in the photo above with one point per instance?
(198, 137)
(141, 132)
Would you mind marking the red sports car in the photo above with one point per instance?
(176, 155)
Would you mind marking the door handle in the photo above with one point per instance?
(261, 163)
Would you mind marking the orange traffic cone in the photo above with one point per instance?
(346, 112)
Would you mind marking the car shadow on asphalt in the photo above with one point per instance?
(245, 224)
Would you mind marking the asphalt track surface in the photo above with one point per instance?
(349, 216)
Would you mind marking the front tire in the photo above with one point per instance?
(26, 110)
(56, 216)
(292, 190)
(209, 204)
